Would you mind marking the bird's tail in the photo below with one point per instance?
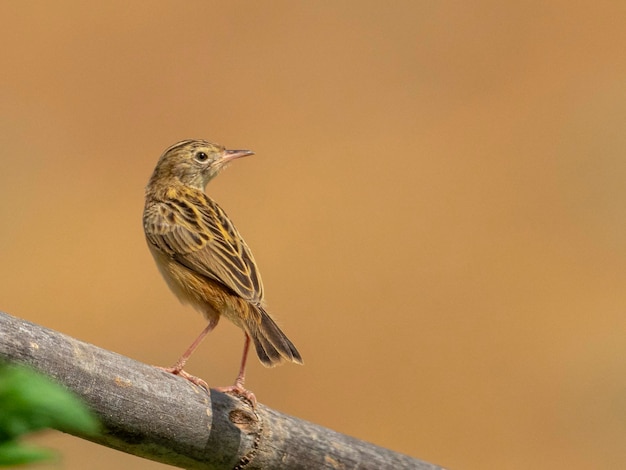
(271, 344)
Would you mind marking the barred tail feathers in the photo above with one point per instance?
(271, 344)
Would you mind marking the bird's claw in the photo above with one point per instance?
(191, 378)
(236, 389)
(240, 391)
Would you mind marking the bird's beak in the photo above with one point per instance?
(230, 155)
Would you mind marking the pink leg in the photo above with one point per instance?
(241, 377)
(238, 388)
(177, 369)
(183, 359)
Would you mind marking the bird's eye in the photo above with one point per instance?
(201, 156)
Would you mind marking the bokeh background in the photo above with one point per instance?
(436, 204)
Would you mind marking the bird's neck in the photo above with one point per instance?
(172, 189)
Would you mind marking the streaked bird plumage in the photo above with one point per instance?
(202, 256)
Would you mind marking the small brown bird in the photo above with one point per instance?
(203, 258)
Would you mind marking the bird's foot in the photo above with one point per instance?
(192, 378)
(240, 391)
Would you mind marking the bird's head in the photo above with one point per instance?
(194, 162)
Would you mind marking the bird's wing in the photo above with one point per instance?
(196, 232)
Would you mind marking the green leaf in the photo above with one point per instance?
(13, 453)
(29, 402)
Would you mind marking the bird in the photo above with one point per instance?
(203, 258)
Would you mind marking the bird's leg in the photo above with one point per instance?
(177, 369)
(238, 387)
(183, 359)
(241, 377)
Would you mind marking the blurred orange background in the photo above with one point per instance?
(436, 205)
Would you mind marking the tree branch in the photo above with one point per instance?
(150, 413)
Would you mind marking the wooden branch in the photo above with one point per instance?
(150, 413)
